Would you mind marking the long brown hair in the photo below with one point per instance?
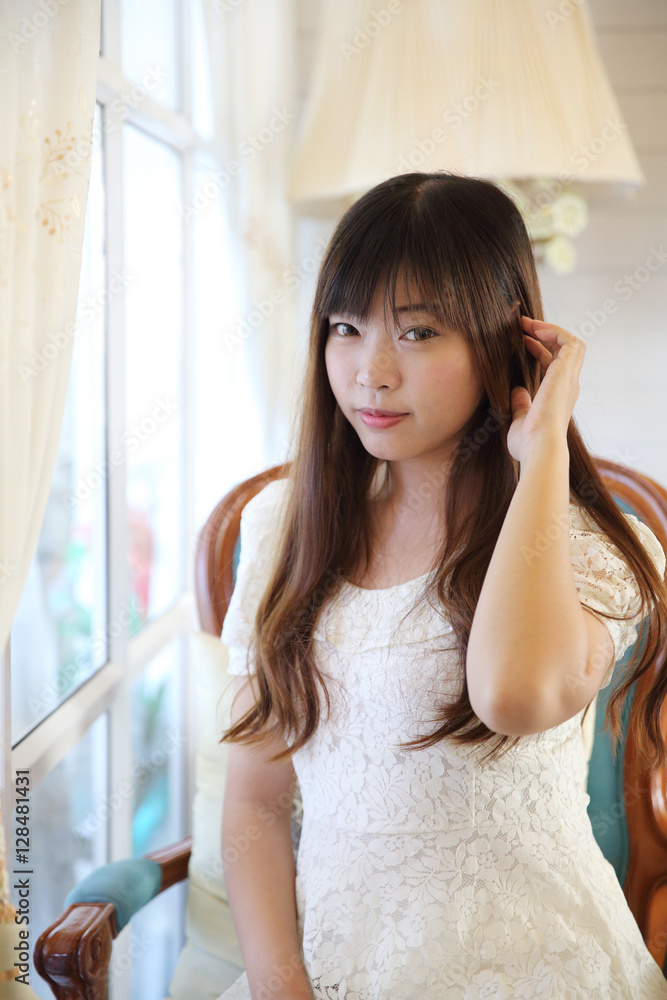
(464, 243)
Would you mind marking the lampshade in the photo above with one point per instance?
(509, 89)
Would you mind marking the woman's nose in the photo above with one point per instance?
(377, 369)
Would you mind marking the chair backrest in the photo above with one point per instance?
(630, 805)
(216, 557)
(628, 808)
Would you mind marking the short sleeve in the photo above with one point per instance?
(604, 580)
(258, 535)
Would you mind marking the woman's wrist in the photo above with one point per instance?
(547, 446)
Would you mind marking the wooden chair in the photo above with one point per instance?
(644, 796)
(73, 954)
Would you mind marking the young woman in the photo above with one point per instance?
(424, 609)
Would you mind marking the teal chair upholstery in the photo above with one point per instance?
(127, 885)
(605, 776)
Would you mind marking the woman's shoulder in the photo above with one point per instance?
(259, 538)
(584, 528)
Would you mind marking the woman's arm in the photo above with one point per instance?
(258, 861)
(535, 656)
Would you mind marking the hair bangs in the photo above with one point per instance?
(383, 257)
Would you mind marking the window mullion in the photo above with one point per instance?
(118, 616)
(118, 612)
(188, 720)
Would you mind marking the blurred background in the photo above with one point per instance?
(228, 138)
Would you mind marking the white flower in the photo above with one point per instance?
(560, 254)
(570, 214)
(551, 215)
(539, 223)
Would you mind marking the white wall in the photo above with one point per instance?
(622, 408)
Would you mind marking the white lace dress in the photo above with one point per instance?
(425, 873)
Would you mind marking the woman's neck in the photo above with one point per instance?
(400, 505)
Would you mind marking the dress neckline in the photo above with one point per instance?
(386, 590)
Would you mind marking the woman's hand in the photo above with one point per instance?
(547, 416)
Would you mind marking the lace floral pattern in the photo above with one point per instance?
(427, 873)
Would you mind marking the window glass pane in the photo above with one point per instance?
(150, 47)
(154, 411)
(159, 749)
(68, 816)
(58, 633)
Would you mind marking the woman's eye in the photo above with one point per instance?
(421, 329)
(334, 326)
(424, 332)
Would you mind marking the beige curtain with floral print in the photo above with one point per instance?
(48, 78)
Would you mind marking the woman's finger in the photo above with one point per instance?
(538, 328)
(538, 351)
(541, 332)
(555, 337)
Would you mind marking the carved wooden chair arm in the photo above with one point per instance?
(73, 954)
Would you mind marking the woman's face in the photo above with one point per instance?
(421, 369)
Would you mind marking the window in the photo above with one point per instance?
(99, 672)
(154, 347)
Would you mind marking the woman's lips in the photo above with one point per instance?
(374, 420)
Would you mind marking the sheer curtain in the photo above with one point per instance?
(252, 56)
(48, 79)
